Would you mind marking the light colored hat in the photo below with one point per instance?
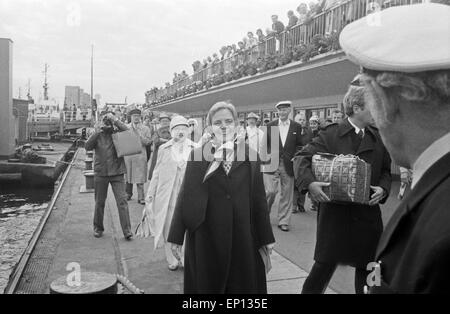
(409, 38)
(163, 116)
(285, 103)
(178, 120)
(253, 115)
(133, 109)
(314, 118)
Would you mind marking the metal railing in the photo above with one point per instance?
(331, 21)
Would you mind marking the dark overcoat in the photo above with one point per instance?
(161, 133)
(347, 233)
(414, 250)
(226, 221)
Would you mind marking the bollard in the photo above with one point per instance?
(89, 176)
(88, 163)
(90, 283)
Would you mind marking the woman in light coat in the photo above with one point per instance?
(165, 184)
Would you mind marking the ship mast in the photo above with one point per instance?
(45, 82)
(29, 90)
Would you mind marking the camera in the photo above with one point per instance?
(107, 124)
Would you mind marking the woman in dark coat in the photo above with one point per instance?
(223, 212)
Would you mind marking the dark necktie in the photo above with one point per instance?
(357, 139)
(227, 166)
(360, 134)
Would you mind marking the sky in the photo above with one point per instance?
(138, 44)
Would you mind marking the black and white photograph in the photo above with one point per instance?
(224, 153)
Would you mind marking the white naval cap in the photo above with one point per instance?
(409, 38)
(284, 103)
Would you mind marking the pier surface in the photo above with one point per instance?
(67, 242)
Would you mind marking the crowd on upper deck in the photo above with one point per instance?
(276, 46)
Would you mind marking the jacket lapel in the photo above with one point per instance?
(240, 155)
(344, 128)
(290, 133)
(209, 165)
(424, 187)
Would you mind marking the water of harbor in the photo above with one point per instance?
(20, 212)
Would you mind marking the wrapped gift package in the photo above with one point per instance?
(127, 143)
(349, 176)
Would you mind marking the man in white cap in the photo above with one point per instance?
(254, 134)
(406, 76)
(289, 142)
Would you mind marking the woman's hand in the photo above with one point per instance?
(206, 138)
(176, 251)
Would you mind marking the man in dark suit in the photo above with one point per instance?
(288, 140)
(408, 92)
(347, 233)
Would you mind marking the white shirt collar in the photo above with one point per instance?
(286, 123)
(357, 129)
(429, 157)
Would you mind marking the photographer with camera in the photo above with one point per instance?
(109, 169)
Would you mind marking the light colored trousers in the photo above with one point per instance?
(140, 190)
(286, 182)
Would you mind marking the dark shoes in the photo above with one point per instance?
(98, 234)
(299, 209)
(284, 228)
(128, 197)
(129, 237)
(142, 202)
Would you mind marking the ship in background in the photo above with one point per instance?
(48, 121)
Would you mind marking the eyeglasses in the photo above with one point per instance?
(357, 81)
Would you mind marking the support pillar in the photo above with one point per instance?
(7, 145)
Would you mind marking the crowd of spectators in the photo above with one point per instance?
(260, 52)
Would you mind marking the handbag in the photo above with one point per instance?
(127, 143)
